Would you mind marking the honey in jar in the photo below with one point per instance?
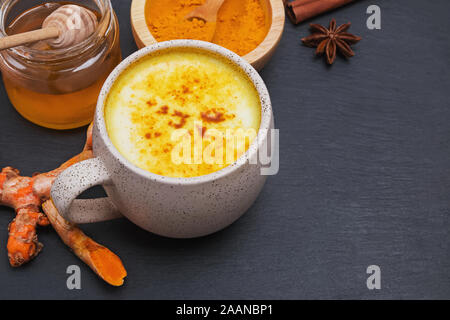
(57, 88)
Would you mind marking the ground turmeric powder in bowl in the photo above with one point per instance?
(241, 24)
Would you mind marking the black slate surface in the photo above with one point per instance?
(364, 179)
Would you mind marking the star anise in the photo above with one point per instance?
(330, 40)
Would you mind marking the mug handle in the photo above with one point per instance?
(72, 182)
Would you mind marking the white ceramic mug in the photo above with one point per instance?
(172, 207)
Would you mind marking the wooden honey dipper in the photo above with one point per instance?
(66, 26)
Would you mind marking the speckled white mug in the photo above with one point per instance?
(172, 207)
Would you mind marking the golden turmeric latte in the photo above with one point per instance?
(182, 113)
(241, 24)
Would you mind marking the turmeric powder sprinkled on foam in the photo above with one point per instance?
(241, 24)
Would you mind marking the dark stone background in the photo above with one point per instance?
(364, 179)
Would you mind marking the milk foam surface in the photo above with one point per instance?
(178, 97)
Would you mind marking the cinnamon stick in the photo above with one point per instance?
(301, 10)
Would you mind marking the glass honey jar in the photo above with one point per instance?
(57, 88)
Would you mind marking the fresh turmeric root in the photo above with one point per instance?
(17, 192)
(100, 259)
(25, 195)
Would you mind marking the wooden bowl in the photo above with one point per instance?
(257, 58)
